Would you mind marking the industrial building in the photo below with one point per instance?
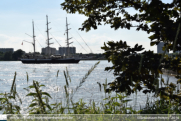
(179, 51)
(52, 51)
(159, 48)
(72, 50)
(63, 50)
(6, 50)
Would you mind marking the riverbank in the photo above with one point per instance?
(169, 72)
(92, 59)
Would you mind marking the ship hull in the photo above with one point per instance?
(51, 61)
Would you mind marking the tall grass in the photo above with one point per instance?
(110, 104)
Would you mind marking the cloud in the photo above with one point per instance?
(18, 20)
(10, 41)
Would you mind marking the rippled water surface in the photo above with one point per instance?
(46, 74)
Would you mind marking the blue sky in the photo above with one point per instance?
(16, 19)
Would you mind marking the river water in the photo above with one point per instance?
(47, 74)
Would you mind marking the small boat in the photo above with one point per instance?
(50, 59)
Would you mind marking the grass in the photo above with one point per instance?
(110, 104)
(40, 102)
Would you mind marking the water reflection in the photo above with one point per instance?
(46, 74)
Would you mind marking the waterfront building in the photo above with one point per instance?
(63, 50)
(52, 51)
(57, 52)
(178, 52)
(159, 48)
(6, 50)
(72, 50)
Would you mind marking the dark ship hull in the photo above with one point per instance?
(51, 61)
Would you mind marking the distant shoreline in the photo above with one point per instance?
(92, 59)
(80, 60)
(168, 72)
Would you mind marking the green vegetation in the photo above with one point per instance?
(111, 104)
(91, 56)
(9, 56)
(136, 69)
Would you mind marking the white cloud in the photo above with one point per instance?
(18, 21)
(10, 41)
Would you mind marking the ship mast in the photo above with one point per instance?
(33, 38)
(48, 43)
(33, 43)
(67, 41)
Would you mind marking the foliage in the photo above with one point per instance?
(135, 71)
(17, 54)
(84, 78)
(1, 55)
(163, 18)
(38, 105)
(7, 56)
(111, 104)
(161, 107)
(6, 104)
(40, 100)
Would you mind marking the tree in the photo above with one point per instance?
(42, 53)
(37, 53)
(133, 70)
(1, 55)
(163, 18)
(7, 56)
(17, 54)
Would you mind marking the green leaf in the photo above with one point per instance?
(1, 107)
(31, 86)
(11, 97)
(2, 99)
(124, 101)
(34, 100)
(160, 72)
(33, 104)
(57, 73)
(42, 85)
(152, 43)
(17, 107)
(48, 106)
(116, 104)
(32, 94)
(27, 77)
(45, 93)
(26, 89)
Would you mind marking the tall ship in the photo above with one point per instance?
(52, 59)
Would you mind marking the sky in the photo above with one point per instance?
(16, 18)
